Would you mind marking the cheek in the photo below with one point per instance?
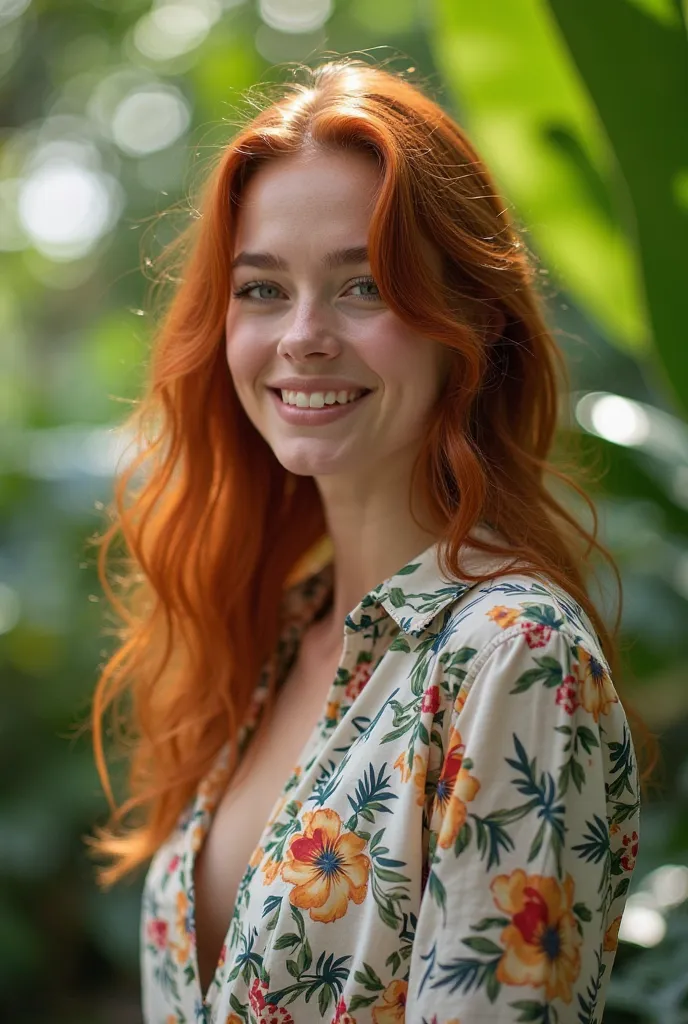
(399, 355)
(244, 357)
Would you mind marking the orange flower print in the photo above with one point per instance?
(325, 866)
(392, 1009)
(342, 1015)
(359, 677)
(184, 930)
(270, 870)
(211, 787)
(332, 710)
(542, 942)
(417, 774)
(197, 837)
(455, 788)
(458, 708)
(234, 1018)
(504, 616)
(611, 936)
(596, 692)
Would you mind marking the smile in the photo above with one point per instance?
(313, 416)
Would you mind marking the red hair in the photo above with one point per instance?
(215, 528)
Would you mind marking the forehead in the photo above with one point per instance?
(328, 190)
(317, 199)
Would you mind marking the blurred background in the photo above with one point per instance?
(109, 110)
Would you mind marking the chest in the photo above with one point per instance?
(245, 808)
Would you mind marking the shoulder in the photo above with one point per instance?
(514, 614)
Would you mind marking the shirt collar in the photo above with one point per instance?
(412, 596)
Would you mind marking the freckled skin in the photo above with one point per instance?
(315, 321)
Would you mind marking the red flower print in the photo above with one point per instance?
(157, 932)
(174, 864)
(266, 1013)
(536, 633)
(628, 858)
(359, 677)
(256, 995)
(541, 941)
(567, 694)
(326, 866)
(342, 1015)
(431, 699)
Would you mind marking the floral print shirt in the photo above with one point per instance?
(456, 841)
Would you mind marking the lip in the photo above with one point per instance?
(315, 417)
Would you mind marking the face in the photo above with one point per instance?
(305, 314)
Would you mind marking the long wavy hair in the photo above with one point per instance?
(214, 528)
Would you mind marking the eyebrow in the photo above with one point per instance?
(331, 260)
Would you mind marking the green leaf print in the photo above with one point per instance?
(549, 671)
(329, 977)
(408, 569)
(490, 922)
(371, 795)
(397, 597)
(466, 973)
(368, 979)
(400, 643)
(534, 1013)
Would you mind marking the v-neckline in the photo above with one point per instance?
(192, 849)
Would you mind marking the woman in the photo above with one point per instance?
(378, 758)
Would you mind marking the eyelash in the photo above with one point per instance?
(241, 293)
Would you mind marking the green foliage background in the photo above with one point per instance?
(580, 110)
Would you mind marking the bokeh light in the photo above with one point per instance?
(173, 28)
(150, 119)
(295, 15)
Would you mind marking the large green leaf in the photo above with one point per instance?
(634, 59)
(531, 118)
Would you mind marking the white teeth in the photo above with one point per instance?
(318, 399)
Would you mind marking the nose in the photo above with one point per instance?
(309, 332)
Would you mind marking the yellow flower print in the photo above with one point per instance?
(211, 787)
(392, 1009)
(197, 837)
(417, 774)
(542, 942)
(504, 616)
(455, 788)
(325, 866)
(611, 936)
(256, 857)
(183, 922)
(458, 708)
(270, 870)
(332, 709)
(596, 692)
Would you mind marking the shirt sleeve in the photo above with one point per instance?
(533, 838)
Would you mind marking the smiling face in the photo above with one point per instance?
(298, 311)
